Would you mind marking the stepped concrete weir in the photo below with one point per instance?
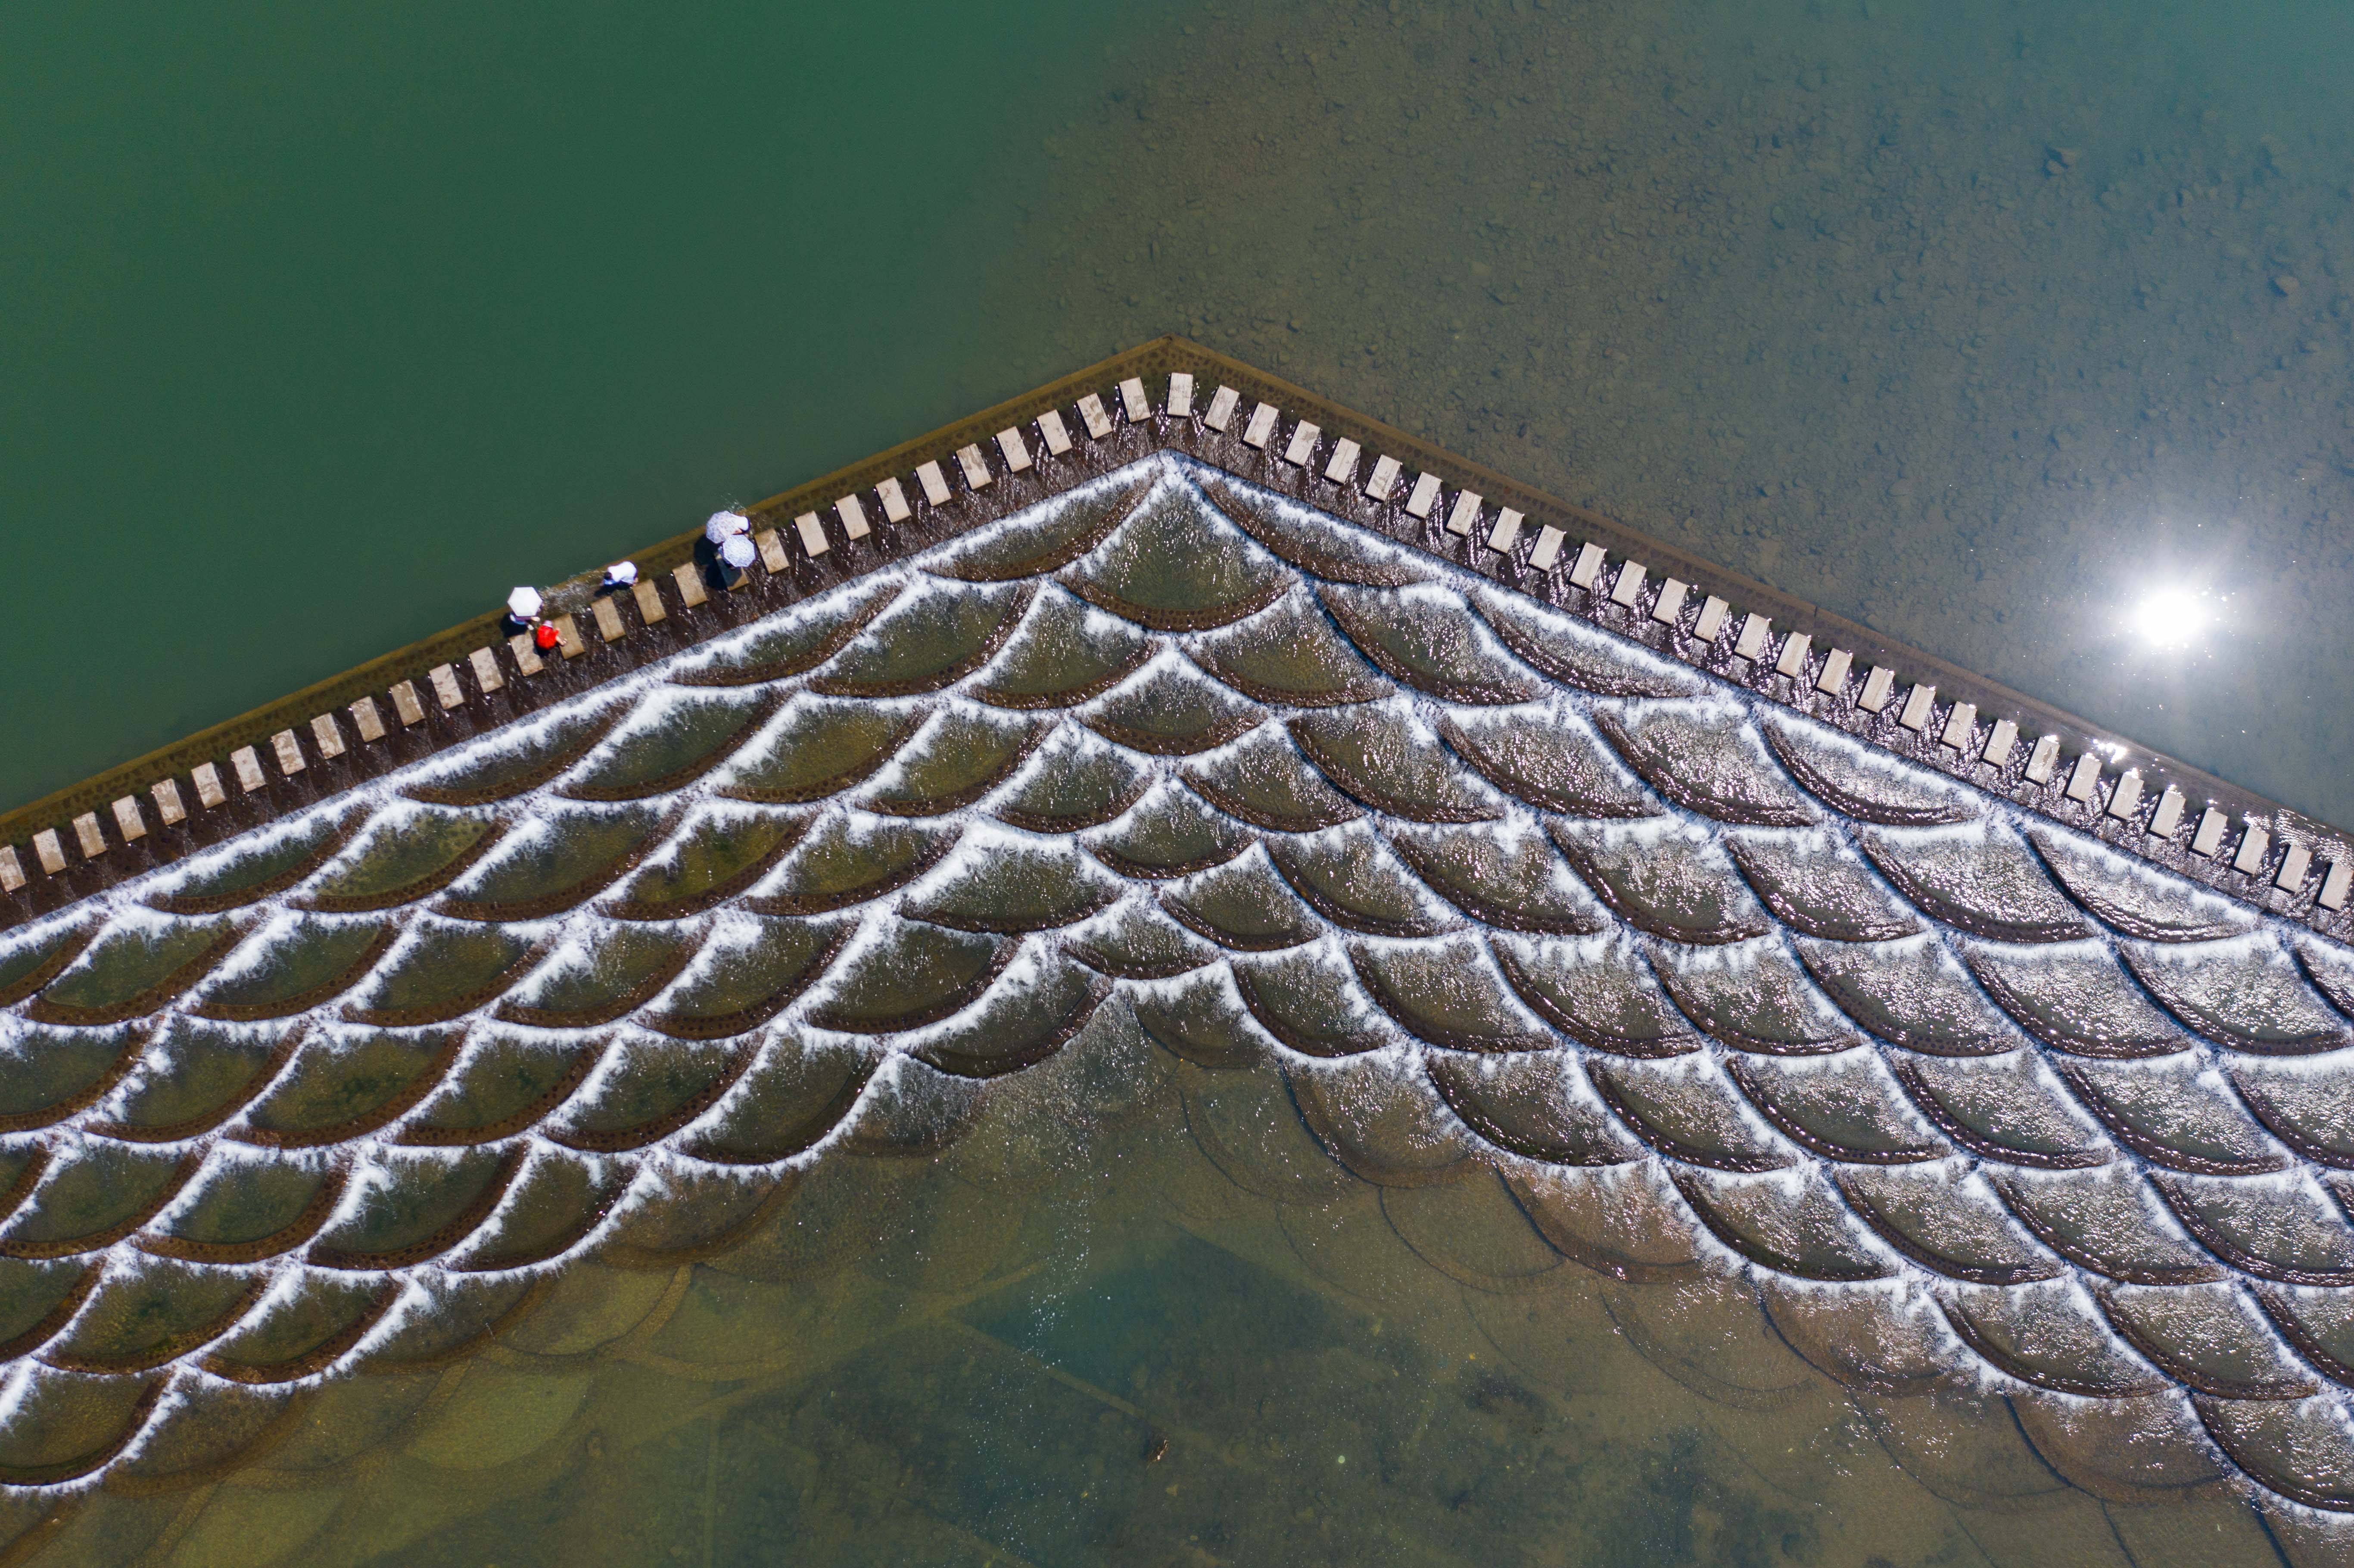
(1853, 1029)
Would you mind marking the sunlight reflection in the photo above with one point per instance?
(2175, 616)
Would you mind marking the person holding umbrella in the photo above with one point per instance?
(525, 608)
(729, 535)
(524, 605)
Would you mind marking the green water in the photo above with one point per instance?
(1975, 322)
(323, 328)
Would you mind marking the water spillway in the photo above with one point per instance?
(1493, 905)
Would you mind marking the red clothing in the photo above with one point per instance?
(546, 635)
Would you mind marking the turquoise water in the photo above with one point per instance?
(324, 330)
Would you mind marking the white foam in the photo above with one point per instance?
(573, 934)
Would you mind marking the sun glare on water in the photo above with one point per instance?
(2173, 616)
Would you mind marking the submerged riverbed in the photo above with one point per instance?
(1156, 1346)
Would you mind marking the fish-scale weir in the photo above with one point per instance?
(1549, 925)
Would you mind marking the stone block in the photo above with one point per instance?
(1013, 449)
(12, 870)
(444, 677)
(169, 810)
(1464, 514)
(609, 627)
(2209, 837)
(936, 484)
(1343, 466)
(1093, 415)
(1959, 723)
(1132, 398)
(771, 546)
(812, 534)
(128, 821)
(1261, 428)
(2169, 815)
(650, 603)
(1793, 660)
(1424, 496)
(1833, 678)
(1506, 531)
(246, 763)
(976, 469)
(405, 705)
(1918, 704)
(1878, 687)
(1587, 568)
(1055, 433)
(1711, 621)
(89, 835)
(288, 752)
(2084, 778)
(1628, 586)
(2044, 760)
(1381, 483)
(1222, 408)
(484, 662)
(691, 592)
(894, 496)
(1999, 740)
(1754, 630)
(327, 735)
(49, 851)
(1181, 395)
(568, 640)
(1547, 549)
(1670, 604)
(207, 780)
(2125, 797)
(2255, 844)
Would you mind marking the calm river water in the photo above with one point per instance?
(1988, 324)
(1981, 322)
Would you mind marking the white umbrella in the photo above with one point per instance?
(725, 523)
(737, 552)
(523, 603)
